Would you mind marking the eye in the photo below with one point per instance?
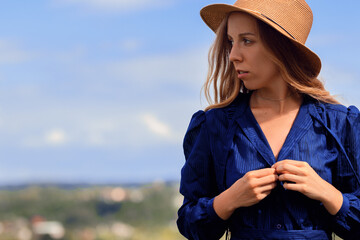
(247, 41)
(231, 42)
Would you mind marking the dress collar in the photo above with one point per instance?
(251, 129)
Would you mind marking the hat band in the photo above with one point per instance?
(278, 25)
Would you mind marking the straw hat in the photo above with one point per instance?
(292, 18)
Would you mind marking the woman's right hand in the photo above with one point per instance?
(253, 187)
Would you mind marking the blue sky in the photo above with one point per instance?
(103, 90)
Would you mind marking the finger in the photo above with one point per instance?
(267, 179)
(261, 172)
(266, 193)
(267, 188)
(289, 161)
(289, 168)
(263, 195)
(294, 187)
(290, 178)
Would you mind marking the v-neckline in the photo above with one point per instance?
(255, 134)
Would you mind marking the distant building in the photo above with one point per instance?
(47, 230)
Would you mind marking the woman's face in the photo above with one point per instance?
(248, 54)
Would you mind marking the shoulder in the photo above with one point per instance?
(339, 118)
(336, 111)
(218, 117)
(197, 120)
(205, 121)
(342, 114)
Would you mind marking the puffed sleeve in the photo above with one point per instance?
(196, 217)
(347, 220)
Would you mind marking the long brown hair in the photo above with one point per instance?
(292, 64)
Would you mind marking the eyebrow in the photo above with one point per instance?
(244, 34)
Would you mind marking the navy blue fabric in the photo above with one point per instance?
(221, 145)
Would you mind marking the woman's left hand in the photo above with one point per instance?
(300, 176)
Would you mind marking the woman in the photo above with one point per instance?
(276, 156)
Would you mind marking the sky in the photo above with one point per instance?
(102, 91)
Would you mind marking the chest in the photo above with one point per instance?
(248, 153)
(275, 127)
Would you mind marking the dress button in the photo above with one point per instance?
(278, 226)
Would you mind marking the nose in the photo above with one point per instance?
(236, 54)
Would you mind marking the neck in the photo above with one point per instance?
(279, 101)
(258, 94)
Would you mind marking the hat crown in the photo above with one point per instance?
(293, 16)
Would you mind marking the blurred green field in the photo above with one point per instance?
(143, 212)
(90, 213)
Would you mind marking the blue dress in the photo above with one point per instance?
(222, 145)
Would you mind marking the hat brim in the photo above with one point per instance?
(214, 14)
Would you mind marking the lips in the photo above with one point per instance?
(242, 73)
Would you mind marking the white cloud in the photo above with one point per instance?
(345, 85)
(321, 40)
(110, 123)
(130, 45)
(156, 126)
(117, 5)
(101, 131)
(50, 137)
(55, 137)
(90, 126)
(10, 53)
(188, 68)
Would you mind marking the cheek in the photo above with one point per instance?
(267, 68)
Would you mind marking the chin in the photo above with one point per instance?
(250, 87)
